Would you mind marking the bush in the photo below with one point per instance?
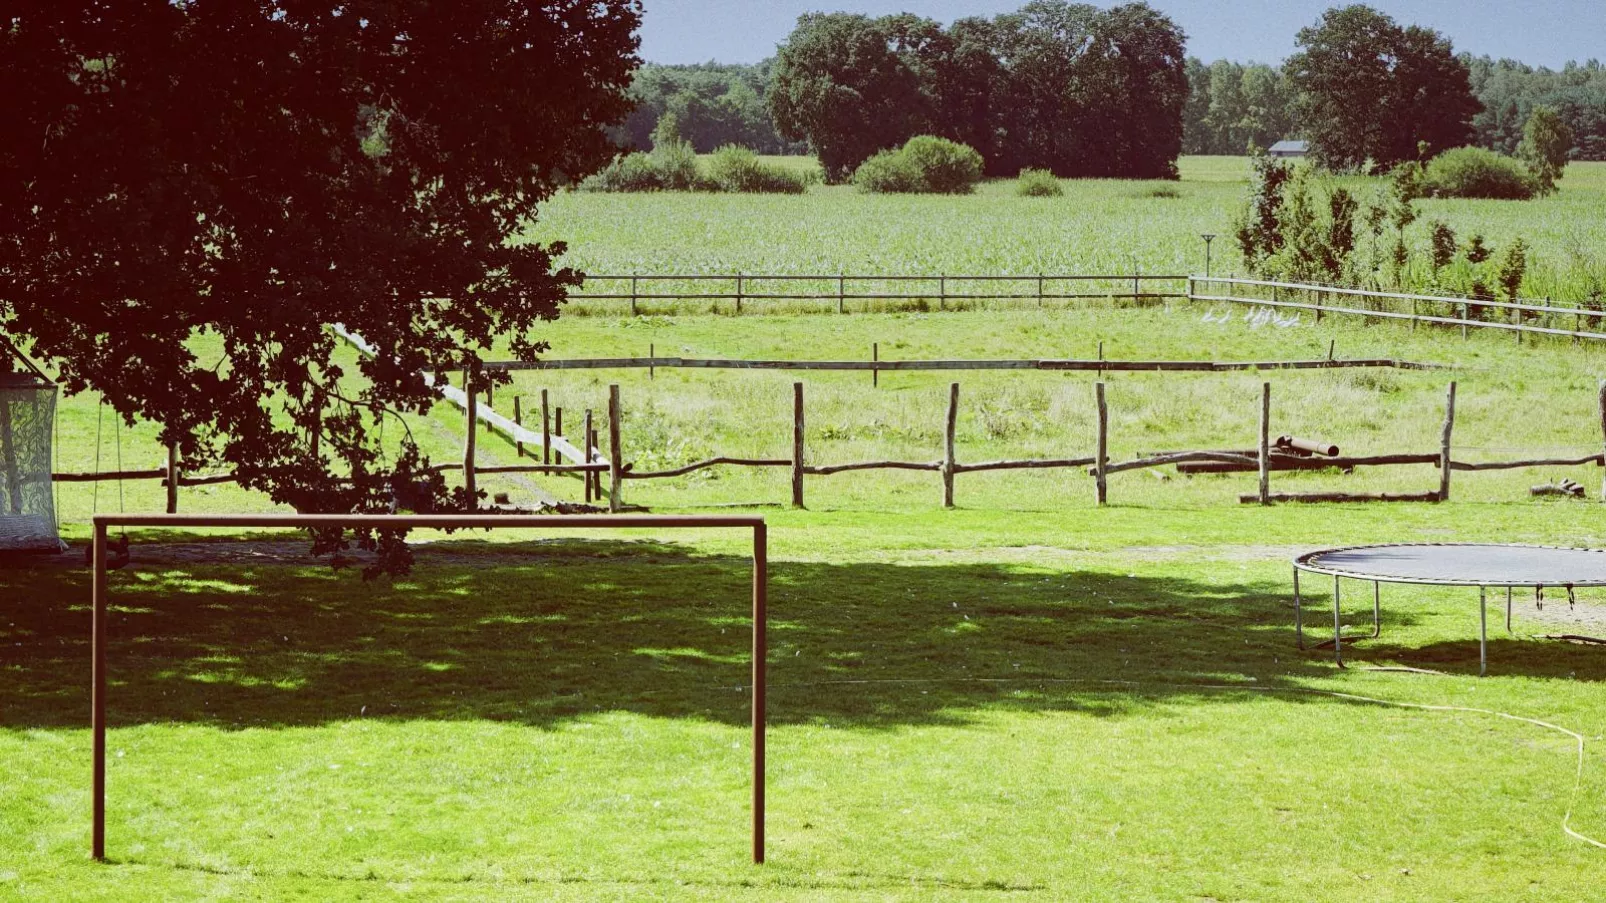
(925, 165)
(888, 172)
(631, 172)
(1038, 183)
(677, 165)
(736, 168)
(1473, 172)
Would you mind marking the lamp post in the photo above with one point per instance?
(1208, 238)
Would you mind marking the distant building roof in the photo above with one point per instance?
(1290, 148)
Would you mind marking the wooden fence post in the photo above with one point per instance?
(1603, 435)
(948, 446)
(616, 472)
(1444, 445)
(1103, 453)
(490, 402)
(1039, 291)
(841, 292)
(652, 361)
(546, 430)
(738, 292)
(875, 355)
(1265, 443)
(1463, 321)
(172, 478)
(472, 406)
(797, 445)
(942, 291)
(633, 294)
(585, 440)
(518, 420)
(557, 422)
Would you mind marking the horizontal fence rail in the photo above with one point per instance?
(1522, 317)
(1287, 453)
(1096, 365)
(839, 289)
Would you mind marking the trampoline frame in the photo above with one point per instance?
(1304, 563)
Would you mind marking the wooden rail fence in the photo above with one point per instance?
(1521, 318)
(1264, 460)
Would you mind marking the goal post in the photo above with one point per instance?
(436, 522)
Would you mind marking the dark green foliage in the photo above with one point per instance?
(1473, 172)
(1442, 246)
(676, 163)
(1513, 267)
(925, 165)
(714, 105)
(1059, 86)
(1546, 143)
(1232, 107)
(1038, 183)
(1258, 228)
(1511, 91)
(1477, 251)
(738, 169)
(1372, 92)
(261, 171)
(851, 85)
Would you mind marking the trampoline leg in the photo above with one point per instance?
(1508, 609)
(1377, 609)
(1299, 617)
(1483, 632)
(1338, 641)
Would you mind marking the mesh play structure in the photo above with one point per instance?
(27, 421)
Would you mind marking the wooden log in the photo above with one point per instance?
(1264, 461)
(1027, 464)
(472, 408)
(586, 469)
(797, 445)
(711, 462)
(1445, 466)
(71, 477)
(1290, 462)
(1296, 445)
(615, 452)
(1101, 459)
(817, 470)
(206, 481)
(1162, 460)
(875, 364)
(173, 478)
(1253, 498)
(1535, 462)
(948, 446)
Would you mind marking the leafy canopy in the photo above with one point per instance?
(1372, 91)
(254, 173)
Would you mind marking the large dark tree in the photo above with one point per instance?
(236, 177)
(851, 85)
(1372, 92)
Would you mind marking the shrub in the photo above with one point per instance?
(947, 167)
(631, 172)
(736, 168)
(1038, 183)
(887, 172)
(1473, 172)
(925, 165)
(677, 165)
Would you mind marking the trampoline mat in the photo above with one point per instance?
(1473, 564)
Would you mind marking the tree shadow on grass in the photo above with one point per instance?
(540, 633)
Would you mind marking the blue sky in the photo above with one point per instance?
(1541, 32)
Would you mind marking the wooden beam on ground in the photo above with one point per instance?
(1253, 498)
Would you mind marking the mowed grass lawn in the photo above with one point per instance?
(1085, 704)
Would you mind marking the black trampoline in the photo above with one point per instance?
(1483, 565)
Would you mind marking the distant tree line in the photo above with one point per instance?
(713, 104)
(1079, 91)
(1060, 86)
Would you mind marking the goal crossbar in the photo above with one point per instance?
(438, 522)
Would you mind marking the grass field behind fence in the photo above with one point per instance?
(1027, 697)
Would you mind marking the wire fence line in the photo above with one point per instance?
(945, 291)
(1520, 317)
